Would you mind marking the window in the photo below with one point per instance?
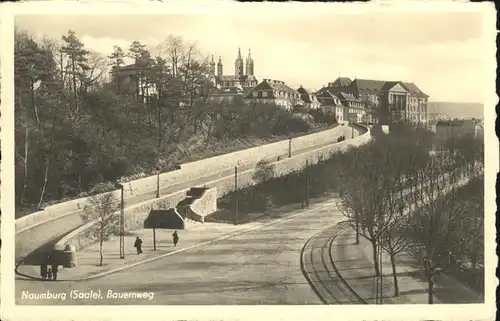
(255, 94)
(264, 94)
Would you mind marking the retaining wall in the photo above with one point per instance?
(135, 215)
(205, 205)
(188, 171)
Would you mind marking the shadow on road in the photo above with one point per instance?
(36, 257)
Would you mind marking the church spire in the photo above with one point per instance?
(219, 67)
(249, 64)
(238, 65)
(212, 66)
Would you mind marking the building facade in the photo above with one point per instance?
(274, 91)
(310, 100)
(354, 109)
(455, 129)
(387, 101)
(330, 104)
(132, 80)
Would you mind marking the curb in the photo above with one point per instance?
(95, 276)
(330, 242)
(341, 278)
(303, 269)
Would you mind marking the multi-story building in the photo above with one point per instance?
(226, 94)
(243, 73)
(309, 99)
(274, 91)
(388, 101)
(346, 106)
(454, 129)
(331, 104)
(354, 108)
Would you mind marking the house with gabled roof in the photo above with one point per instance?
(309, 99)
(275, 92)
(340, 82)
(228, 94)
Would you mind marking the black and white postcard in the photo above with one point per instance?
(249, 161)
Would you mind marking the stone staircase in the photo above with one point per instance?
(184, 206)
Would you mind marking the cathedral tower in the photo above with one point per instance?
(212, 66)
(219, 67)
(238, 64)
(249, 64)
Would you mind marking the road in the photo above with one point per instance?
(43, 237)
(261, 266)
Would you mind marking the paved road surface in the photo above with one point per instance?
(42, 238)
(261, 266)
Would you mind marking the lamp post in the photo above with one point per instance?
(122, 222)
(236, 194)
(158, 183)
(289, 146)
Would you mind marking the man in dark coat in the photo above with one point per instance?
(43, 269)
(55, 267)
(138, 245)
(175, 238)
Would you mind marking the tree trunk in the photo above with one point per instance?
(75, 96)
(25, 184)
(357, 231)
(100, 251)
(209, 132)
(375, 258)
(44, 185)
(430, 289)
(80, 182)
(394, 274)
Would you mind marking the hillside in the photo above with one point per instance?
(456, 110)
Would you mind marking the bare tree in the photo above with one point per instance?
(103, 209)
(364, 206)
(437, 234)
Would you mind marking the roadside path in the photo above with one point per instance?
(355, 265)
(258, 266)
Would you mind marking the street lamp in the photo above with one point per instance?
(158, 182)
(122, 222)
(289, 146)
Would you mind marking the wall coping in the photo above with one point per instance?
(38, 218)
(67, 239)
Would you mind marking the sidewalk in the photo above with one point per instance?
(89, 257)
(195, 235)
(355, 265)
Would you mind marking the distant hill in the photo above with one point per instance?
(456, 110)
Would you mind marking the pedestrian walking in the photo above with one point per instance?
(49, 274)
(175, 238)
(55, 268)
(138, 245)
(43, 270)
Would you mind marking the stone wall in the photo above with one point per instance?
(189, 171)
(135, 215)
(206, 204)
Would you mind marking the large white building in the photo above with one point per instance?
(390, 101)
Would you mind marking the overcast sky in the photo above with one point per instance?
(440, 52)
